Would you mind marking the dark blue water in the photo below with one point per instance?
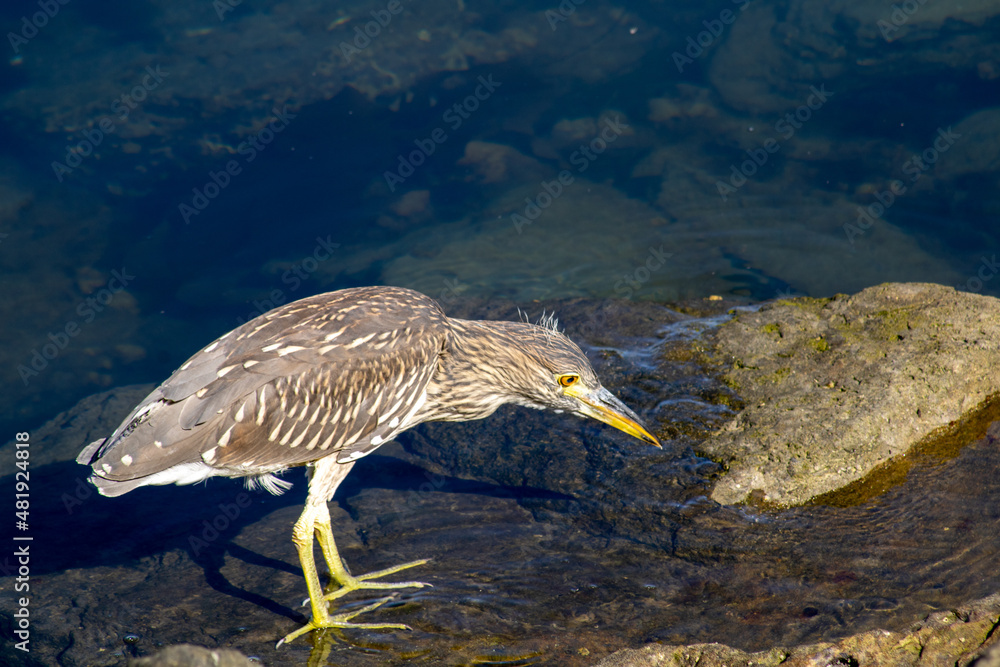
(324, 174)
(706, 164)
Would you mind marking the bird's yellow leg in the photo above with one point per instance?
(347, 581)
(302, 536)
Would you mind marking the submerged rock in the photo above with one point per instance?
(772, 54)
(836, 388)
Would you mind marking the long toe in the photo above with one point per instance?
(364, 581)
(374, 585)
(378, 574)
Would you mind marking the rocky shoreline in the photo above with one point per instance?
(799, 402)
(841, 394)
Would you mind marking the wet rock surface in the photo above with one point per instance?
(961, 637)
(835, 388)
(553, 540)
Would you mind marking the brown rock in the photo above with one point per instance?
(187, 655)
(961, 637)
(836, 387)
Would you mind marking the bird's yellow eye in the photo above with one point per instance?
(568, 380)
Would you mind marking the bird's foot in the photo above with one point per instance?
(327, 620)
(351, 583)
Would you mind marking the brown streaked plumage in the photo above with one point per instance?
(326, 380)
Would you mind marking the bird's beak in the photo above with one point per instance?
(602, 405)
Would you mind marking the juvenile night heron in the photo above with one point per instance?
(324, 381)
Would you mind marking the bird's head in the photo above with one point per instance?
(538, 366)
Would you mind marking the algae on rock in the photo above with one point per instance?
(836, 388)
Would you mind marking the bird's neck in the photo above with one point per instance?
(474, 375)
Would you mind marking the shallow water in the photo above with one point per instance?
(542, 529)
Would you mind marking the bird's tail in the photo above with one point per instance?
(90, 452)
(106, 487)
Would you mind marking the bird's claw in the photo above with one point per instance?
(343, 621)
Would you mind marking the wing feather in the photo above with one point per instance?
(307, 380)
